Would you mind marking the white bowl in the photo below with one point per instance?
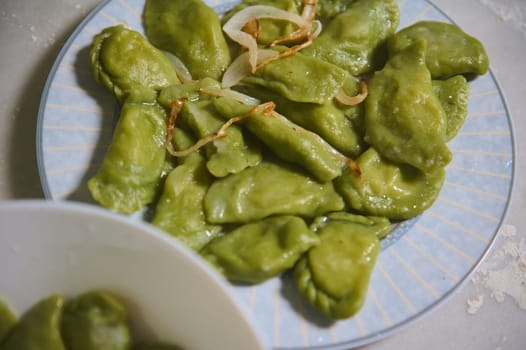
(62, 247)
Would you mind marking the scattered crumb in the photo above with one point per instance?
(474, 304)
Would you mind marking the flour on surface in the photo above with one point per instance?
(503, 273)
(474, 304)
(511, 11)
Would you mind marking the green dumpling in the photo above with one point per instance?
(404, 119)
(449, 50)
(131, 171)
(188, 91)
(270, 188)
(190, 30)
(384, 188)
(38, 328)
(453, 94)
(227, 155)
(354, 39)
(179, 210)
(287, 140)
(127, 64)
(7, 320)
(258, 251)
(334, 275)
(300, 78)
(338, 125)
(95, 320)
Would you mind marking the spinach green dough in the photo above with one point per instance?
(287, 140)
(227, 155)
(453, 94)
(270, 188)
(326, 9)
(340, 126)
(7, 320)
(95, 321)
(334, 275)
(404, 119)
(127, 64)
(189, 91)
(38, 328)
(269, 29)
(300, 78)
(179, 210)
(449, 50)
(132, 168)
(258, 251)
(190, 30)
(384, 188)
(298, 157)
(354, 39)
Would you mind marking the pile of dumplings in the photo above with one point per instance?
(304, 160)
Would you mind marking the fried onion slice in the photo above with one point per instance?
(265, 108)
(243, 28)
(347, 100)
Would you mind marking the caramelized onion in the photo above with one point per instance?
(234, 26)
(265, 108)
(175, 108)
(347, 100)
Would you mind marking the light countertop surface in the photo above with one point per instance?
(33, 32)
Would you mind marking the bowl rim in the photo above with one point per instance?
(91, 211)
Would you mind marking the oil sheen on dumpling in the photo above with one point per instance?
(453, 94)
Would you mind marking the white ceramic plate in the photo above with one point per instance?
(422, 261)
(172, 295)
